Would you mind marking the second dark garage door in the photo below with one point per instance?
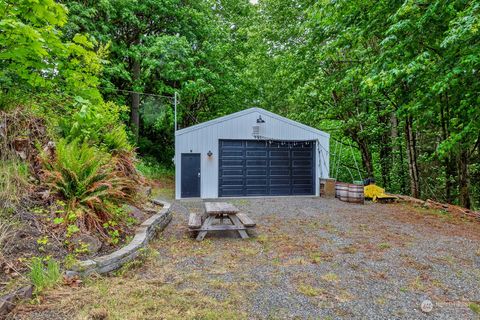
(266, 168)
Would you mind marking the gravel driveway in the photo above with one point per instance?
(308, 258)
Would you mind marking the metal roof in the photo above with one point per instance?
(248, 111)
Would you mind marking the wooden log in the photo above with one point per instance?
(410, 199)
(245, 220)
(453, 209)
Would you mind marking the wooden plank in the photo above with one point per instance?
(207, 223)
(245, 220)
(216, 208)
(237, 223)
(194, 221)
(222, 227)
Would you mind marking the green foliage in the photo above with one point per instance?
(72, 230)
(42, 242)
(80, 167)
(44, 273)
(154, 170)
(370, 72)
(98, 124)
(86, 179)
(70, 261)
(33, 54)
(475, 307)
(113, 231)
(195, 48)
(394, 82)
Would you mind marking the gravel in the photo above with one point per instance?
(386, 259)
(317, 258)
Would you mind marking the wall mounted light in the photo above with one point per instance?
(209, 153)
(259, 128)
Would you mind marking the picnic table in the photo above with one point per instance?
(220, 212)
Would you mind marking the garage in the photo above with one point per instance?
(253, 152)
(266, 168)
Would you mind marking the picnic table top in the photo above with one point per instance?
(214, 208)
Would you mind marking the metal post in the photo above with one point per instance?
(175, 104)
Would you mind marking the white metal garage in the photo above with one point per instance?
(253, 152)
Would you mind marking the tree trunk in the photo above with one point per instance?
(397, 153)
(412, 158)
(135, 111)
(386, 157)
(366, 157)
(463, 178)
(448, 163)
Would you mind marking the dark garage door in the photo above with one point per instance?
(263, 168)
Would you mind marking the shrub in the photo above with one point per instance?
(98, 124)
(44, 274)
(125, 163)
(88, 181)
(152, 169)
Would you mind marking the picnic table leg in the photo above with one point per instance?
(207, 223)
(238, 223)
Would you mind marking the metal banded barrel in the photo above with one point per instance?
(337, 186)
(355, 193)
(342, 191)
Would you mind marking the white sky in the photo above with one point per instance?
(253, 1)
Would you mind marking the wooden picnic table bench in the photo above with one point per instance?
(222, 211)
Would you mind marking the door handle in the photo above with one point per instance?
(199, 174)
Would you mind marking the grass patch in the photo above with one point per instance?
(384, 246)
(417, 284)
(330, 277)
(146, 255)
(309, 291)
(44, 274)
(316, 257)
(240, 202)
(249, 251)
(168, 193)
(475, 307)
(143, 299)
(13, 183)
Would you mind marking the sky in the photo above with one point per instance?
(253, 1)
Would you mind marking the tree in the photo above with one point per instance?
(396, 78)
(33, 54)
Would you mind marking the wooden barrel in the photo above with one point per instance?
(355, 193)
(341, 190)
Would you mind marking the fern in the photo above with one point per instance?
(87, 179)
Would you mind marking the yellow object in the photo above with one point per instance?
(374, 192)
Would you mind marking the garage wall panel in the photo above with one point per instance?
(239, 127)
